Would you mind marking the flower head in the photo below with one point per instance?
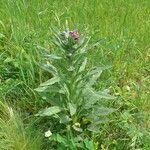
(74, 35)
(48, 133)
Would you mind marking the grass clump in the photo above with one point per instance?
(14, 134)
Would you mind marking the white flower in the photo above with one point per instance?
(48, 133)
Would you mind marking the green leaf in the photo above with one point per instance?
(41, 89)
(103, 111)
(66, 90)
(58, 138)
(94, 74)
(96, 119)
(49, 111)
(72, 108)
(83, 65)
(48, 67)
(52, 57)
(105, 94)
(62, 140)
(93, 96)
(93, 128)
(89, 144)
(45, 53)
(46, 85)
(50, 89)
(64, 118)
(84, 48)
(50, 81)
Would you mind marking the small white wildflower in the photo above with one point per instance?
(48, 133)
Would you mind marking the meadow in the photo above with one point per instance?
(119, 45)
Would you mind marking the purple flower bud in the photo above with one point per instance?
(72, 34)
(75, 35)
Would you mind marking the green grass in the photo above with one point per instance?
(14, 134)
(123, 26)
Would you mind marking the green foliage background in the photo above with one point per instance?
(124, 28)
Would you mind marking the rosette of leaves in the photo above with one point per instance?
(70, 92)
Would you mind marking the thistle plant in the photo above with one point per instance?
(73, 99)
